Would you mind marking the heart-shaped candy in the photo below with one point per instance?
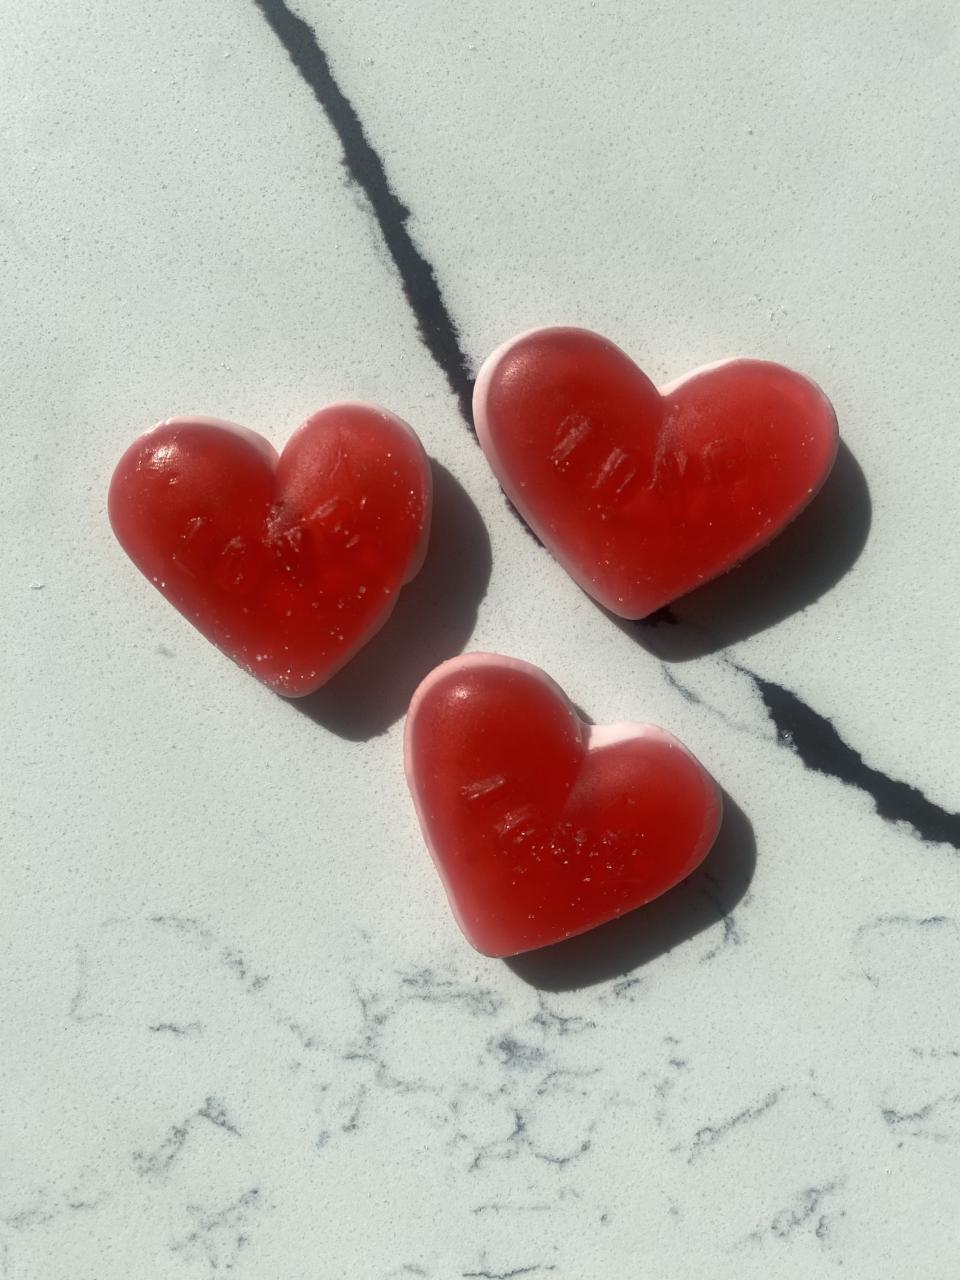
(541, 826)
(642, 494)
(287, 564)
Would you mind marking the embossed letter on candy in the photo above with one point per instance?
(288, 564)
(642, 494)
(541, 826)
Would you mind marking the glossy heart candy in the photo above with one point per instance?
(642, 494)
(287, 564)
(541, 826)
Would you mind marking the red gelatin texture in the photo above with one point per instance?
(541, 826)
(287, 564)
(643, 495)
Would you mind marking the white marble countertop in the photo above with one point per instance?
(240, 1032)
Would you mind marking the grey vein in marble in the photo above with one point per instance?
(220, 1237)
(711, 1134)
(807, 1211)
(536, 1269)
(158, 1162)
(937, 1120)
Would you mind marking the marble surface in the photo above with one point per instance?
(240, 1033)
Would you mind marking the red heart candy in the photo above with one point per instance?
(642, 494)
(287, 564)
(541, 826)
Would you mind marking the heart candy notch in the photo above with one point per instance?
(542, 826)
(287, 564)
(643, 495)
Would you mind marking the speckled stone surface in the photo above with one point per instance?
(241, 1034)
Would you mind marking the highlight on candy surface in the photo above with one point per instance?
(287, 564)
(643, 495)
(541, 826)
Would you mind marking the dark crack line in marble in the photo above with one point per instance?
(508, 1275)
(519, 1140)
(896, 1120)
(435, 324)
(423, 985)
(622, 987)
(712, 1133)
(232, 1219)
(156, 1163)
(548, 1020)
(731, 936)
(214, 1111)
(911, 922)
(792, 1219)
(229, 957)
(685, 692)
(38, 1216)
(789, 1221)
(558, 1074)
(664, 1084)
(235, 964)
(513, 1053)
(494, 1207)
(25, 1219)
(693, 698)
(918, 923)
(814, 738)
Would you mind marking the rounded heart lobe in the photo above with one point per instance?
(288, 565)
